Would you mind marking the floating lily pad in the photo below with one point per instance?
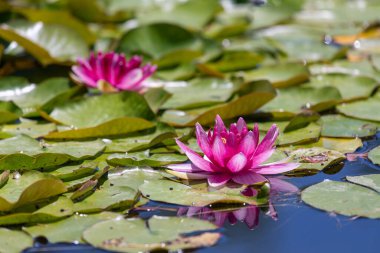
(144, 159)
(363, 109)
(41, 41)
(292, 100)
(23, 152)
(14, 241)
(261, 93)
(343, 198)
(158, 39)
(95, 110)
(162, 233)
(342, 145)
(180, 194)
(198, 93)
(370, 181)
(13, 86)
(315, 158)
(340, 126)
(56, 210)
(280, 75)
(132, 178)
(374, 155)
(191, 14)
(33, 129)
(350, 87)
(32, 186)
(107, 197)
(9, 112)
(71, 229)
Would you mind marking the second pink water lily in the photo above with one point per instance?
(233, 154)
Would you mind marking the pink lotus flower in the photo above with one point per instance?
(112, 72)
(232, 154)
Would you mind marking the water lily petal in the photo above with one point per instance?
(248, 178)
(219, 125)
(202, 140)
(240, 214)
(279, 185)
(217, 180)
(237, 163)
(258, 159)
(219, 152)
(248, 144)
(269, 140)
(252, 217)
(196, 159)
(184, 167)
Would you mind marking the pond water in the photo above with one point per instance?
(297, 229)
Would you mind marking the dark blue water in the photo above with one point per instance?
(298, 229)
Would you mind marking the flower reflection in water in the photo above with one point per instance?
(249, 214)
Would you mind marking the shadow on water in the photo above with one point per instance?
(285, 225)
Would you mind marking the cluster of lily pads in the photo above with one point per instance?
(96, 95)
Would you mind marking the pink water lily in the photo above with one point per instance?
(232, 154)
(112, 72)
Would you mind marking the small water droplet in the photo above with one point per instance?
(16, 175)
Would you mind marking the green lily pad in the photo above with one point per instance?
(40, 40)
(72, 172)
(198, 93)
(363, 109)
(95, 110)
(342, 145)
(32, 186)
(374, 155)
(315, 158)
(191, 14)
(146, 140)
(343, 198)
(158, 39)
(161, 233)
(292, 100)
(371, 181)
(14, 241)
(132, 178)
(260, 93)
(9, 112)
(144, 159)
(13, 86)
(71, 229)
(112, 128)
(350, 87)
(107, 197)
(23, 152)
(33, 129)
(280, 75)
(180, 194)
(56, 210)
(156, 97)
(340, 126)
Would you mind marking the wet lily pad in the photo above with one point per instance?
(371, 181)
(132, 178)
(107, 197)
(162, 233)
(144, 159)
(315, 158)
(71, 229)
(340, 126)
(192, 14)
(374, 155)
(280, 75)
(180, 194)
(167, 38)
(40, 40)
(95, 110)
(33, 129)
(56, 210)
(198, 93)
(343, 198)
(14, 241)
(261, 93)
(32, 186)
(9, 112)
(342, 145)
(23, 152)
(364, 109)
(350, 87)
